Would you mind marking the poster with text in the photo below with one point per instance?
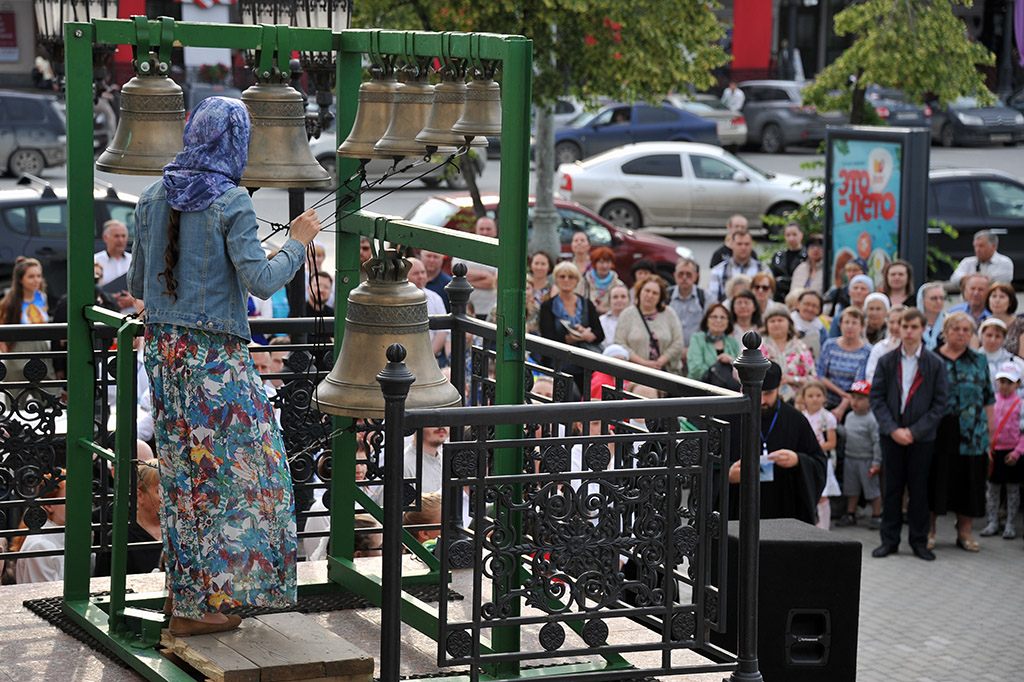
(866, 181)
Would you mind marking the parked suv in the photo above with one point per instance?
(34, 223)
(32, 132)
(776, 116)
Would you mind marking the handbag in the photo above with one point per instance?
(720, 374)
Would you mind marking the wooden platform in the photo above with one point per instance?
(283, 647)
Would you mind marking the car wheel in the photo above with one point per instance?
(26, 161)
(330, 164)
(567, 152)
(622, 214)
(431, 182)
(781, 210)
(946, 135)
(771, 139)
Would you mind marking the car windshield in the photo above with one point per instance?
(433, 212)
(973, 103)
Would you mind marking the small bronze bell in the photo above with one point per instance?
(150, 129)
(384, 309)
(413, 102)
(481, 117)
(376, 101)
(279, 153)
(449, 100)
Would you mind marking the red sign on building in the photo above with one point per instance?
(8, 38)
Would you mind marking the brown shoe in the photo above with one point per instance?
(183, 627)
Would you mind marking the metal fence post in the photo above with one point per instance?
(751, 366)
(395, 380)
(459, 291)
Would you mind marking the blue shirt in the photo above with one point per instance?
(965, 307)
(842, 367)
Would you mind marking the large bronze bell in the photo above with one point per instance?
(279, 153)
(384, 309)
(150, 129)
(449, 99)
(481, 117)
(376, 101)
(413, 102)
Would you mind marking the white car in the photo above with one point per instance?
(325, 149)
(677, 184)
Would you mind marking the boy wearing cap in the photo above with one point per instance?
(863, 458)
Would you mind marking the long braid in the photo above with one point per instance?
(171, 254)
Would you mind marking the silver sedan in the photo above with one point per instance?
(678, 184)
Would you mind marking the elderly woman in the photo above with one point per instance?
(651, 330)
(807, 318)
(860, 287)
(960, 464)
(763, 285)
(713, 343)
(781, 345)
(570, 318)
(876, 306)
(931, 299)
(597, 283)
(898, 282)
(844, 360)
(746, 314)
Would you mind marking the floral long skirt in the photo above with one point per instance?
(228, 517)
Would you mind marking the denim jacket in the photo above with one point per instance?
(220, 262)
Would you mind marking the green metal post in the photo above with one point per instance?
(78, 41)
(346, 276)
(514, 190)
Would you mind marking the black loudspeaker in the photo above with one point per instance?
(808, 603)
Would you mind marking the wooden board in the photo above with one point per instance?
(339, 657)
(284, 647)
(211, 658)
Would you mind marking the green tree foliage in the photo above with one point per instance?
(918, 46)
(627, 49)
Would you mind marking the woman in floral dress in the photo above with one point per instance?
(781, 345)
(227, 512)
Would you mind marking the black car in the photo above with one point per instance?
(973, 200)
(966, 122)
(34, 223)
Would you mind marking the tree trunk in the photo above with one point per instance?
(857, 101)
(469, 168)
(544, 235)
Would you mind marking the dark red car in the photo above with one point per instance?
(455, 212)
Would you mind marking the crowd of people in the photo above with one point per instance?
(912, 401)
(880, 393)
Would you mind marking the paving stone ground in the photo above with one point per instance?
(957, 619)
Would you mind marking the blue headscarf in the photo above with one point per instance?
(216, 150)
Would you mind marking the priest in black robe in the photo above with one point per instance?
(798, 465)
